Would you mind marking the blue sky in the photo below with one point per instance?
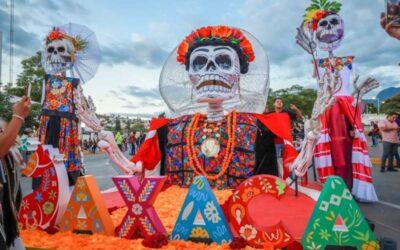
(136, 37)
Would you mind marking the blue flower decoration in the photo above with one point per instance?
(39, 197)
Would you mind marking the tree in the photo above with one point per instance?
(5, 107)
(33, 73)
(138, 125)
(128, 125)
(117, 124)
(370, 108)
(6, 112)
(391, 105)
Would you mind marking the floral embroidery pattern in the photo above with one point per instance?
(248, 232)
(137, 209)
(211, 212)
(180, 172)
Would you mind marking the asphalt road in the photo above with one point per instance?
(385, 214)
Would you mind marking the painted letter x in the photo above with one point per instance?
(139, 198)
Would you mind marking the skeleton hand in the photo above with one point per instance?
(107, 142)
(305, 41)
(366, 86)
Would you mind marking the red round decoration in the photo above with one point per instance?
(264, 211)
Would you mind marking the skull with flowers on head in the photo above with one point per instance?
(323, 19)
(59, 51)
(214, 58)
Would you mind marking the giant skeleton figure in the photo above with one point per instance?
(72, 49)
(215, 83)
(342, 147)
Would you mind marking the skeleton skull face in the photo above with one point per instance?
(330, 32)
(214, 72)
(59, 55)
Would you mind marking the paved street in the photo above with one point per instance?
(385, 214)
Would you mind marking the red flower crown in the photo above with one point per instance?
(58, 34)
(318, 10)
(223, 35)
(55, 34)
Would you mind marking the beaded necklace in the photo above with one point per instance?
(191, 150)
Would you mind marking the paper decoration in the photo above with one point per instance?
(337, 220)
(139, 198)
(241, 218)
(44, 206)
(86, 211)
(201, 218)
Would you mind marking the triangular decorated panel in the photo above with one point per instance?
(201, 217)
(337, 220)
(86, 211)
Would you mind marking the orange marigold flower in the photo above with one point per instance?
(55, 35)
(183, 48)
(204, 31)
(221, 31)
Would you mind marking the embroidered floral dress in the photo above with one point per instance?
(58, 121)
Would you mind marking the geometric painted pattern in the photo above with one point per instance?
(139, 198)
(337, 220)
(86, 211)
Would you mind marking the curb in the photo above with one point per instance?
(377, 162)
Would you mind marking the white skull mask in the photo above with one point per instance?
(330, 32)
(59, 55)
(215, 73)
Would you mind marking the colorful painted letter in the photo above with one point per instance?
(86, 211)
(139, 199)
(251, 202)
(44, 206)
(201, 217)
(337, 220)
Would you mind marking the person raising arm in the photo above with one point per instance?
(21, 110)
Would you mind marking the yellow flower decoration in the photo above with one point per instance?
(370, 245)
(311, 15)
(323, 233)
(199, 232)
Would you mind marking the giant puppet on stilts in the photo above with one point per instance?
(69, 49)
(342, 146)
(215, 84)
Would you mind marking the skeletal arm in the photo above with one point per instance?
(312, 127)
(85, 110)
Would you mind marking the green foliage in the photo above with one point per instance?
(371, 109)
(117, 125)
(138, 126)
(303, 98)
(6, 112)
(324, 5)
(128, 125)
(5, 107)
(391, 105)
(33, 73)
